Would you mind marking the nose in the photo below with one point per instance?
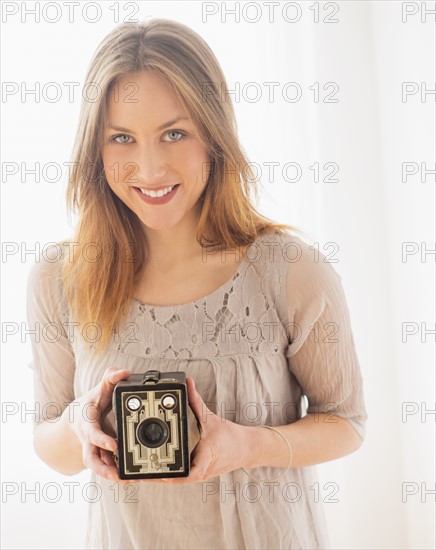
(151, 166)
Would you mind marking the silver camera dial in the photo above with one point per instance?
(134, 403)
(168, 401)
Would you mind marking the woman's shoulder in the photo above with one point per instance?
(295, 268)
(45, 275)
(279, 248)
(49, 261)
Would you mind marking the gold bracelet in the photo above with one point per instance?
(257, 480)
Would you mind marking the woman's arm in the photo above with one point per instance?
(76, 440)
(53, 368)
(322, 358)
(314, 439)
(225, 446)
(58, 446)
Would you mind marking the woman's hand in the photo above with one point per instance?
(97, 446)
(223, 447)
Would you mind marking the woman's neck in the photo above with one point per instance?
(170, 247)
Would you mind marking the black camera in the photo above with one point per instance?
(151, 425)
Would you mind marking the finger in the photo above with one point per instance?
(113, 375)
(167, 480)
(198, 471)
(110, 379)
(96, 436)
(107, 457)
(171, 481)
(91, 459)
(196, 475)
(108, 426)
(158, 480)
(198, 406)
(201, 459)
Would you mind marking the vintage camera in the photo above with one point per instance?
(152, 425)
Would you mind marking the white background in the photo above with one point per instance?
(369, 213)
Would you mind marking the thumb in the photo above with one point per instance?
(112, 376)
(110, 379)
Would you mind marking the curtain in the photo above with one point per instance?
(335, 110)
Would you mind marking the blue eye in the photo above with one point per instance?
(175, 132)
(115, 138)
(123, 139)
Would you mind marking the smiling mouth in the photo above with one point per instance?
(158, 193)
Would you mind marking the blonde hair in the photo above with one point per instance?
(101, 292)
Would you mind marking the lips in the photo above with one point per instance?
(167, 189)
(157, 200)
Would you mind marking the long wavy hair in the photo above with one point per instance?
(100, 292)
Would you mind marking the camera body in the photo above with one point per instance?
(152, 425)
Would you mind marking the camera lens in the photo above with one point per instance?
(152, 432)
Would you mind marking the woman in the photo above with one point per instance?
(171, 268)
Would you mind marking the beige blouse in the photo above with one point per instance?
(273, 339)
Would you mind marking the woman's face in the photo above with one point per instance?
(144, 148)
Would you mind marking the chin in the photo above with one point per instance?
(159, 224)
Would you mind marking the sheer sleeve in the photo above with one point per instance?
(321, 353)
(53, 361)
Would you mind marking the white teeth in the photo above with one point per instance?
(156, 194)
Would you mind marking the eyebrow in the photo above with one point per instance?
(161, 127)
